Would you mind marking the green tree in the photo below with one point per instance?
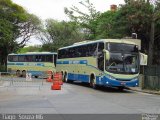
(16, 28)
(105, 25)
(58, 34)
(141, 17)
(155, 18)
(35, 48)
(86, 19)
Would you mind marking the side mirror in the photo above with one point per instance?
(143, 59)
(107, 54)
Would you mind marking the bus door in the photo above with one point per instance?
(54, 59)
(100, 57)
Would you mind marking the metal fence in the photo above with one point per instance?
(150, 78)
(150, 70)
(10, 80)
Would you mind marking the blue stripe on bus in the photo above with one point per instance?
(40, 64)
(36, 73)
(65, 62)
(72, 62)
(59, 62)
(27, 64)
(11, 63)
(19, 63)
(80, 77)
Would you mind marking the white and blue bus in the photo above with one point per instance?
(106, 62)
(36, 63)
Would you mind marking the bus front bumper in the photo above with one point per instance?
(118, 82)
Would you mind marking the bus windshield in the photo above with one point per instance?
(117, 47)
(123, 58)
(122, 63)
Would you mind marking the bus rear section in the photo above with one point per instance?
(36, 63)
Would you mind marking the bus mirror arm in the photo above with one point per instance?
(107, 54)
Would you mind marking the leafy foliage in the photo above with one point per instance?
(58, 34)
(15, 23)
(86, 19)
(141, 17)
(135, 16)
(105, 25)
(26, 49)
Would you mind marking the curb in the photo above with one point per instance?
(146, 91)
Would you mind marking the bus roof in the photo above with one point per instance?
(35, 53)
(127, 41)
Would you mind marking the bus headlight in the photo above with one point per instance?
(111, 77)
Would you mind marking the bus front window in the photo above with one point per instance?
(115, 63)
(131, 63)
(122, 63)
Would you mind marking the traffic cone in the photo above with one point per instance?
(58, 77)
(49, 79)
(56, 86)
(49, 74)
(56, 82)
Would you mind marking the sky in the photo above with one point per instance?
(54, 9)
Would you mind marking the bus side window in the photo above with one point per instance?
(21, 58)
(71, 53)
(79, 51)
(27, 58)
(37, 58)
(49, 58)
(61, 54)
(10, 58)
(84, 51)
(15, 58)
(31, 58)
(92, 49)
(43, 58)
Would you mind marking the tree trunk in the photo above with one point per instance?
(151, 44)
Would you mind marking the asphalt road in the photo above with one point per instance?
(75, 98)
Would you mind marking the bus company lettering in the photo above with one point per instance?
(78, 62)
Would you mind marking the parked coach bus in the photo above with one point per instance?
(106, 62)
(36, 63)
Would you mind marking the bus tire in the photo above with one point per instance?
(18, 74)
(92, 82)
(23, 73)
(36, 76)
(120, 88)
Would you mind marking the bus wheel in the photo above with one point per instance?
(18, 73)
(92, 82)
(23, 73)
(121, 88)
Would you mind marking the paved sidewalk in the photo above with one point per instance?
(144, 90)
